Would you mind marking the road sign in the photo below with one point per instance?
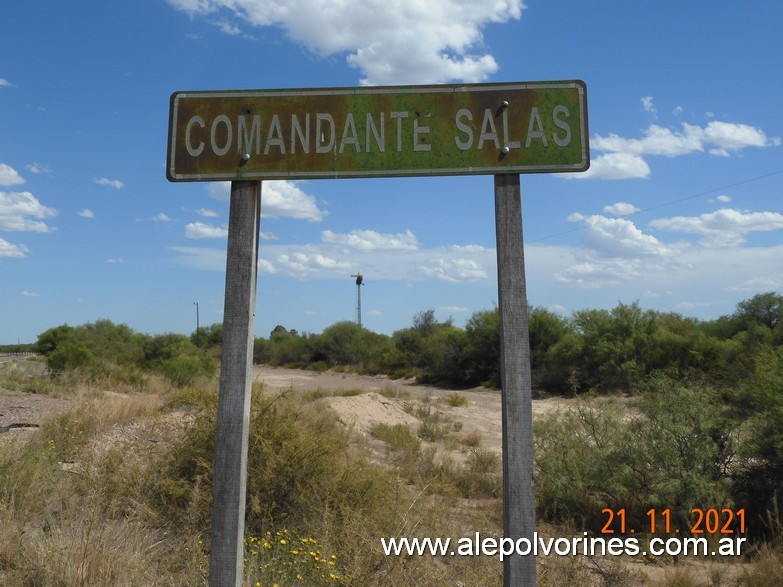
(533, 127)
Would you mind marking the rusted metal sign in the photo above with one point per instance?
(533, 127)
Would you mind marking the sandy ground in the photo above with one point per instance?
(21, 413)
(481, 415)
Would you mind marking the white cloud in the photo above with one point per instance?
(16, 209)
(279, 198)
(219, 190)
(328, 260)
(617, 237)
(204, 230)
(649, 107)
(87, 213)
(454, 270)
(724, 227)
(9, 175)
(370, 240)
(228, 28)
(657, 141)
(116, 261)
(4, 83)
(613, 166)
(623, 158)
(161, 217)
(613, 251)
(11, 250)
(206, 213)
(723, 137)
(286, 199)
(724, 198)
(38, 168)
(112, 183)
(305, 262)
(389, 42)
(621, 209)
(29, 294)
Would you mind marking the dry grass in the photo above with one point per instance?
(100, 497)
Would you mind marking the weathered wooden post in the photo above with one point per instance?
(519, 516)
(236, 378)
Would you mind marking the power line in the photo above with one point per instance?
(670, 202)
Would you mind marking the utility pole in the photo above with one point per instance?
(197, 323)
(359, 283)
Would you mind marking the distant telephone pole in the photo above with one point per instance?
(359, 284)
(197, 322)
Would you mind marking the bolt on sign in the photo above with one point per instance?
(531, 127)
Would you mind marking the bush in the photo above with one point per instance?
(759, 477)
(297, 472)
(674, 454)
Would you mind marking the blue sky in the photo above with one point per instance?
(681, 209)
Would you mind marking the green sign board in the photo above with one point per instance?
(535, 127)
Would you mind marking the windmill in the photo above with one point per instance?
(359, 283)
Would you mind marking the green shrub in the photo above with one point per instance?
(455, 400)
(398, 436)
(481, 476)
(674, 454)
(297, 472)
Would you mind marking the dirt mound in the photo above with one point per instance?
(362, 412)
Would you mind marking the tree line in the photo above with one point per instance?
(592, 350)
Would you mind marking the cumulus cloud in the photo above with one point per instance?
(454, 270)
(279, 198)
(724, 227)
(205, 230)
(161, 217)
(286, 199)
(9, 175)
(115, 261)
(305, 262)
(615, 250)
(624, 158)
(370, 240)
(206, 213)
(717, 137)
(4, 83)
(389, 42)
(11, 250)
(613, 166)
(22, 212)
(112, 183)
(621, 209)
(618, 237)
(87, 213)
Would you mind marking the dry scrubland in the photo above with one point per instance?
(108, 483)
